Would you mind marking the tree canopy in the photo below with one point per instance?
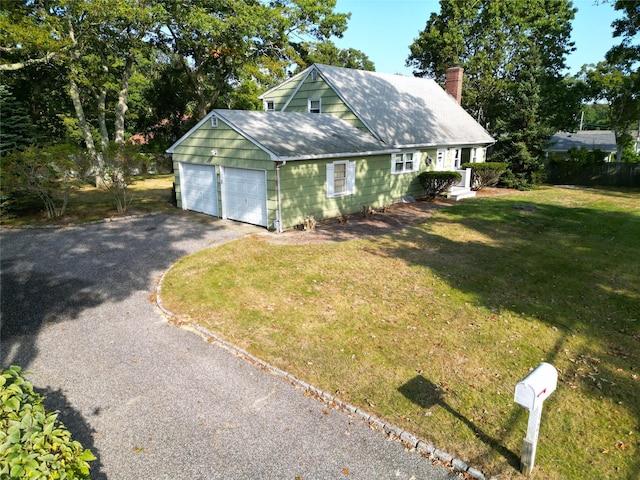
(513, 55)
(126, 67)
(615, 81)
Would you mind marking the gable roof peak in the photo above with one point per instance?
(402, 110)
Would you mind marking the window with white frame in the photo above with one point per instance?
(269, 105)
(314, 105)
(314, 76)
(475, 155)
(341, 178)
(405, 162)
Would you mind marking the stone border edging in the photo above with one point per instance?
(392, 431)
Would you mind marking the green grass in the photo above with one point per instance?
(150, 194)
(430, 328)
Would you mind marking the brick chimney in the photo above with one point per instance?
(453, 83)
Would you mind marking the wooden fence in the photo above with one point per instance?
(607, 175)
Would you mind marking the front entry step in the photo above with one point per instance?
(457, 193)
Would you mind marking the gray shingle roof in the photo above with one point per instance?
(290, 135)
(604, 140)
(405, 111)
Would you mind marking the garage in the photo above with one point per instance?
(244, 195)
(198, 188)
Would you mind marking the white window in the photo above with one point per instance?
(314, 105)
(314, 76)
(269, 106)
(405, 162)
(214, 122)
(475, 155)
(341, 178)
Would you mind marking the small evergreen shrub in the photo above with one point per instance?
(435, 183)
(485, 174)
(33, 443)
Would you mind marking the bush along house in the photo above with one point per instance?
(329, 142)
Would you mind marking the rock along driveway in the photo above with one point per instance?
(153, 401)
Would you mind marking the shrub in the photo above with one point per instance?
(48, 173)
(120, 162)
(33, 443)
(566, 168)
(434, 183)
(485, 174)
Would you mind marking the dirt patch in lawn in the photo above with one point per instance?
(392, 218)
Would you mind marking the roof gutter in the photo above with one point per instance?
(447, 145)
(321, 156)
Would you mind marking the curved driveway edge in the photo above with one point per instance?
(393, 431)
(153, 401)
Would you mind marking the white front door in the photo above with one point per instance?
(198, 189)
(244, 195)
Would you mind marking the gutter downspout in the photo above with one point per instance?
(279, 216)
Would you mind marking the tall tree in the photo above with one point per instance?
(94, 43)
(511, 51)
(214, 52)
(627, 28)
(616, 81)
(25, 34)
(219, 41)
(329, 54)
(16, 129)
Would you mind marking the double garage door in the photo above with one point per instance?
(244, 192)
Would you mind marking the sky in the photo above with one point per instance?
(384, 29)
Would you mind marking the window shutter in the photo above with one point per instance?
(330, 180)
(351, 177)
(417, 158)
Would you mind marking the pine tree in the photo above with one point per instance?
(16, 129)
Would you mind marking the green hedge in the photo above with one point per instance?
(33, 443)
(435, 183)
(485, 174)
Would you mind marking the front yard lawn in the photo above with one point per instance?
(151, 193)
(430, 328)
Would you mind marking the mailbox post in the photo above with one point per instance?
(531, 394)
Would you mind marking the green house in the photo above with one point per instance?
(329, 141)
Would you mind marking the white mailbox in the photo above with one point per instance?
(536, 386)
(531, 394)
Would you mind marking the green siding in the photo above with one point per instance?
(304, 188)
(296, 101)
(303, 183)
(280, 95)
(405, 184)
(233, 150)
(331, 102)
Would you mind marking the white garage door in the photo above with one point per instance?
(244, 194)
(198, 188)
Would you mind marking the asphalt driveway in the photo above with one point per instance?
(153, 401)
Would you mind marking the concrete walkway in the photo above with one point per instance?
(153, 401)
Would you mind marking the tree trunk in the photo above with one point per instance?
(102, 122)
(198, 80)
(74, 92)
(122, 107)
